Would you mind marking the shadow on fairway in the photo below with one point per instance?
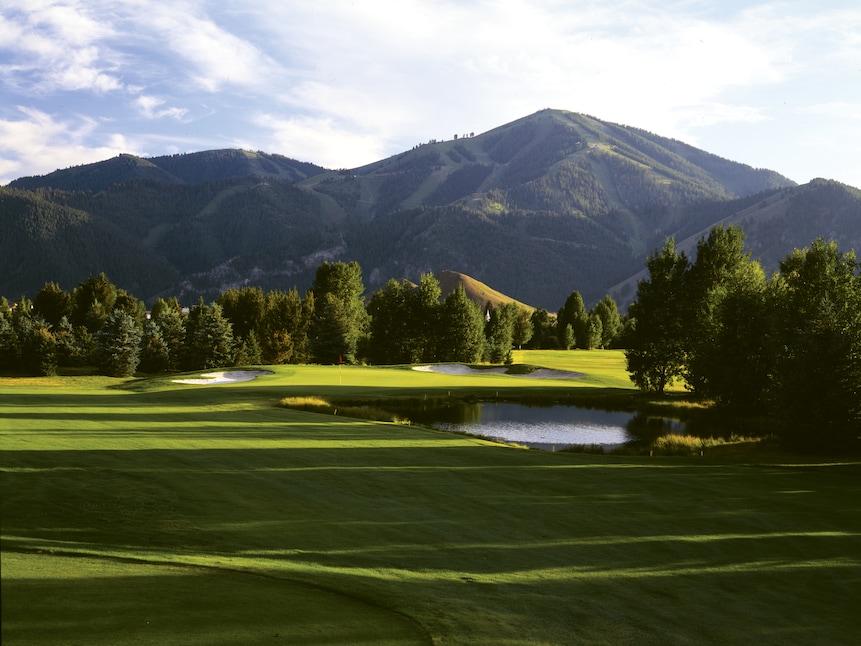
(113, 603)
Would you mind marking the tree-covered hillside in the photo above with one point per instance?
(534, 207)
(188, 168)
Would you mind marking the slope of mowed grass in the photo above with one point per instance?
(476, 543)
(76, 600)
(603, 368)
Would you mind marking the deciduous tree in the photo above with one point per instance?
(656, 342)
(340, 319)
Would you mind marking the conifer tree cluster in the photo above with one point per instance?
(100, 325)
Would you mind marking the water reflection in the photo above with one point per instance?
(545, 427)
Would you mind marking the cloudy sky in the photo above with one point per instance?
(342, 83)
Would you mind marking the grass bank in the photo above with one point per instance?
(220, 518)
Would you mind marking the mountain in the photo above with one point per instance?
(474, 289)
(541, 206)
(189, 168)
(777, 222)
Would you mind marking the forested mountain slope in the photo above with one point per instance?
(550, 203)
(191, 168)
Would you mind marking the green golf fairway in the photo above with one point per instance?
(221, 518)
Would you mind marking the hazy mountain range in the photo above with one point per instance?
(536, 208)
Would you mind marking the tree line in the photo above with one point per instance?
(98, 324)
(785, 347)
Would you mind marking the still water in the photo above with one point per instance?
(548, 427)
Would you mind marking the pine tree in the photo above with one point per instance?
(118, 345)
(208, 338)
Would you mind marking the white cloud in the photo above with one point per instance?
(343, 80)
(39, 143)
(321, 141)
(836, 110)
(217, 57)
(56, 45)
(148, 107)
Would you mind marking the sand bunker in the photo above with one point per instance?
(225, 377)
(460, 369)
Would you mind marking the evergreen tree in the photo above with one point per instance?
(52, 303)
(248, 351)
(92, 302)
(33, 345)
(162, 306)
(244, 308)
(75, 345)
(8, 340)
(131, 305)
(208, 338)
(154, 352)
(118, 345)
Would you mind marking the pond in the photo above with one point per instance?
(546, 427)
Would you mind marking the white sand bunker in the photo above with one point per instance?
(460, 369)
(225, 377)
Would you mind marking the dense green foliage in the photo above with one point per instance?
(789, 347)
(118, 345)
(99, 324)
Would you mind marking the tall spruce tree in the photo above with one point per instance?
(118, 345)
(208, 339)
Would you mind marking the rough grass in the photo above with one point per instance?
(221, 517)
(674, 444)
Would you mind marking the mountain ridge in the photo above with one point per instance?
(546, 204)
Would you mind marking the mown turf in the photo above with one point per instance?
(380, 533)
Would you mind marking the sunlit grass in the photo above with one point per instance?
(256, 520)
(677, 444)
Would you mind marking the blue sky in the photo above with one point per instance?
(343, 83)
